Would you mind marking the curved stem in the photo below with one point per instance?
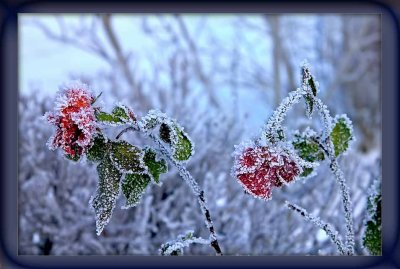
(275, 121)
(329, 230)
(130, 128)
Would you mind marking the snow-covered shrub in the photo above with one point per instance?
(121, 166)
(272, 160)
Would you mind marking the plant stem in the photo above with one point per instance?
(334, 166)
(190, 181)
(329, 230)
(275, 121)
(195, 189)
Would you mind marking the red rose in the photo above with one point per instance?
(261, 168)
(75, 121)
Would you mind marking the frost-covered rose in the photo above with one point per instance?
(75, 121)
(261, 168)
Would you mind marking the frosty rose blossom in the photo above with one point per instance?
(74, 119)
(259, 169)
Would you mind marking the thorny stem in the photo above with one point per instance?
(329, 230)
(192, 183)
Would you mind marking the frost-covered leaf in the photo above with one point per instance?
(309, 104)
(165, 133)
(120, 112)
(342, 134)
(179, 141)
(309, 83)
(107, 118)
(183, 148)
(372, 238)
(154, 166)
(126, 157)
(133, 187)
(103, 202)
(170, 132)
(119, 115)
(152, 119)
(98, 150)
(308, 150)
(312, 85)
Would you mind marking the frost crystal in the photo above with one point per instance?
(75, 121)
(260, 168)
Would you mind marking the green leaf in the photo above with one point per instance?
(98, 150)
(308, 150)
(126, 157)
(309, 80)
(183, 148)
(173, 135)
(107, 118)
(372, 238)
(133, 187)
(309, 104)
(152, 119)
(341, 134)
(155, 167)
(103, 202)
(120, 112)
(312, 85)
(306, 171)
(119, 115)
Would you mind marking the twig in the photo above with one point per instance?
(130, 128)
(329, 230)
(195, 189)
